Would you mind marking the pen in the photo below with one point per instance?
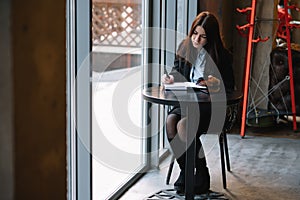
(166, 72)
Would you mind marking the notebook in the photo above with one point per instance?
(183, 86)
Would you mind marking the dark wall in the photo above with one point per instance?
(39, 75)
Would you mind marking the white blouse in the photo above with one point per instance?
(197, 70)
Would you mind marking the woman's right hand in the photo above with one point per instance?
(167, 79)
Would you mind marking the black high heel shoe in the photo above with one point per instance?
(179, 184)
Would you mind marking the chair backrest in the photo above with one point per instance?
(231, 116)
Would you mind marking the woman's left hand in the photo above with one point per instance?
(213, 84)
(212, 81)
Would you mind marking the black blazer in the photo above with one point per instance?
(181, 70)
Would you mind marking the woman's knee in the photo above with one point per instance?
(181, 127)
(171, 125)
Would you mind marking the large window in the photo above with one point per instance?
(117, 136)
(107, 145)
(115, 49)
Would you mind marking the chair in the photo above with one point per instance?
(231, 115)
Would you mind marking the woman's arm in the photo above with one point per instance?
(180, 70)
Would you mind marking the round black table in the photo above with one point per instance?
(191, 99)
(160, 96)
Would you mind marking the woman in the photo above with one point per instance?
(203, 59)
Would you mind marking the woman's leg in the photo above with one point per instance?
(202, 177)
(171, 125)
(178, 148)
(181, 127)
(177, 125)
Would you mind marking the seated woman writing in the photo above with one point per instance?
(201, 58)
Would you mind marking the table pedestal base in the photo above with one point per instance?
(171, 194)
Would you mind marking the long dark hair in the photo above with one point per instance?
(214, 45)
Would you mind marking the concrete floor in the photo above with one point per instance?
(265, 165)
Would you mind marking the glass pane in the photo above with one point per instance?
(116, 97)
(181, 13)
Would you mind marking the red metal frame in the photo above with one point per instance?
(250, 26)
(288, 39)
(286, 36)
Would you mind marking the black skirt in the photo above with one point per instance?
(205, 116)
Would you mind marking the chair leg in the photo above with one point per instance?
(221, 140)
(170, 170)
(226, 152)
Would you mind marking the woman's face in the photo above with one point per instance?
(199, 37)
